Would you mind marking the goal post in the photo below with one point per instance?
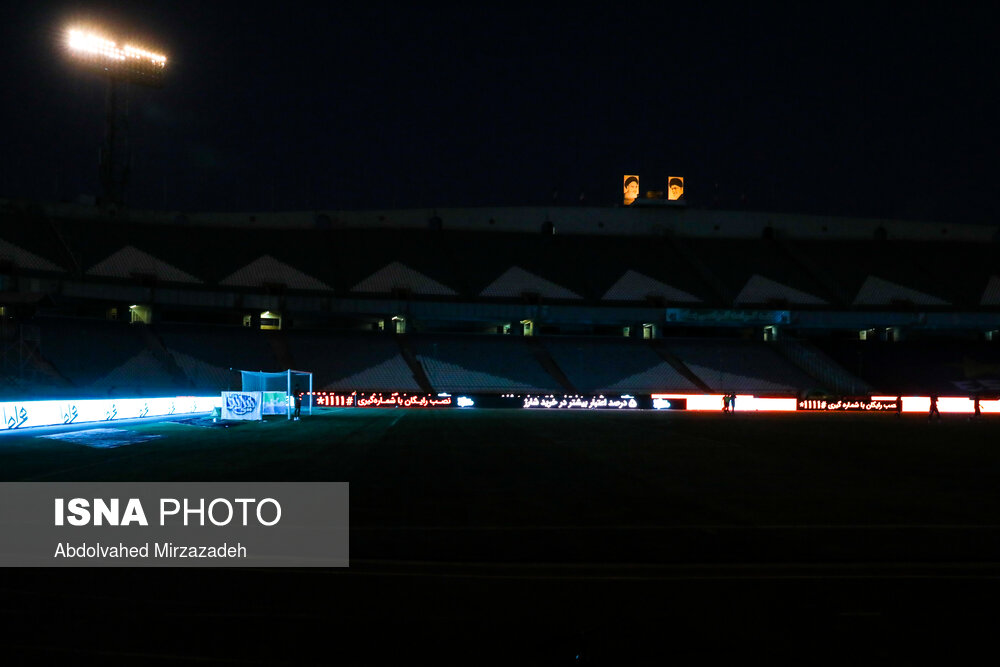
(279, 389)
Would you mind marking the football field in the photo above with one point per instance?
(547, 535)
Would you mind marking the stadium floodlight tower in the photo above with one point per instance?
(120, 64)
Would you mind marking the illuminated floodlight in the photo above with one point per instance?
(129, 62)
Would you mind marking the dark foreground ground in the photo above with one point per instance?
(504, 537)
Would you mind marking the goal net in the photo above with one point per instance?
(279, 390)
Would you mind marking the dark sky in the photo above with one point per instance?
(851, 111)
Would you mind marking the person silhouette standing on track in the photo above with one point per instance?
(934, 414)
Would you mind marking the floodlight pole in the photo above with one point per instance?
(119, 66)
(114, 160)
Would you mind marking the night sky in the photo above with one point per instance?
(852, 111)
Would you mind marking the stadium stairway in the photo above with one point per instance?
(829, 374)
(546, 361)
(660, 348)
(419, 374)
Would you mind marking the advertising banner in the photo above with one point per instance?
(27, 414)
(862, 404)
(274, 403)
(242, 405)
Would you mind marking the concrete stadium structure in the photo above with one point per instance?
(644, 298)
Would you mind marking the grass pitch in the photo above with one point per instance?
(514, 537)
(541, 486)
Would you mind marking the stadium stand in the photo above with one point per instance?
(211, 356)
(594, 365)
(87, 352)
(920, 367)
(830, 375)
(141, 375)
(471, 364)
(349, 362)
(734, 263)
(740, 366)
(947, 273)
(732, 301)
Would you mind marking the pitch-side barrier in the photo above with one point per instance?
(655, 401)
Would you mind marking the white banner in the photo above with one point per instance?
(242, 405)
